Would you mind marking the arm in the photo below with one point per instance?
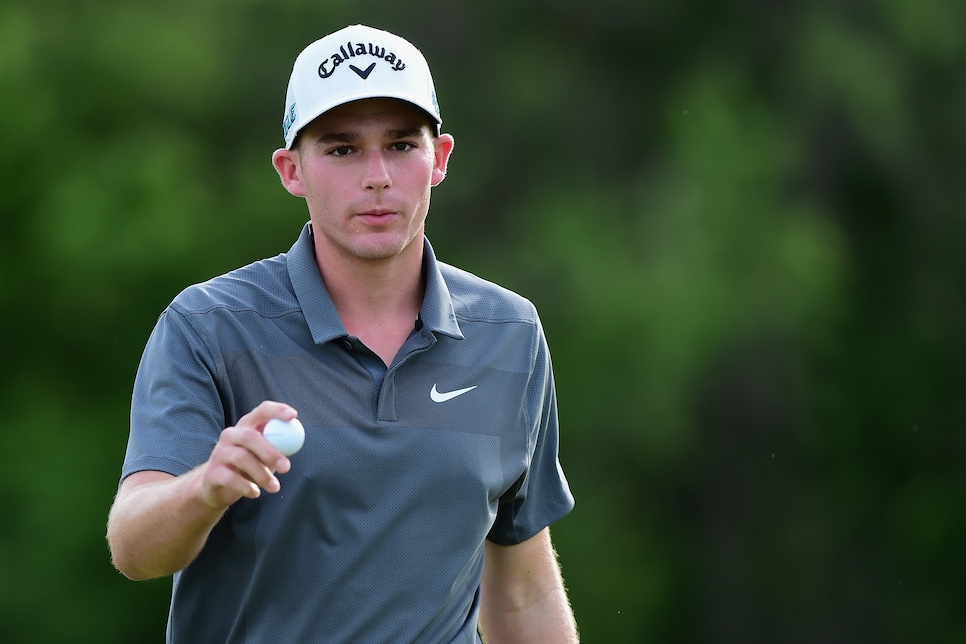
(522, 595)
(159, 523)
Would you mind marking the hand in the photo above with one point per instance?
(243, 461)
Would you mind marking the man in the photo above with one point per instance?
(418, 508)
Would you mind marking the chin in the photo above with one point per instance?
(388, 247)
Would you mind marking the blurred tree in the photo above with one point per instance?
(741, 223)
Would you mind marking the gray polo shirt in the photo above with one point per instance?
(377, 533)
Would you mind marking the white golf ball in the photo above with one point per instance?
(286, 436)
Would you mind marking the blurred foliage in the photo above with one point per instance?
(742, 223)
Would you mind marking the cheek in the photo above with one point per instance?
(322, 202)
(321, 187)
(423, 174)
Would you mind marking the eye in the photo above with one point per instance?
(403, 146)
(340, 151)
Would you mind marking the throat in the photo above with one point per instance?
(384, 339)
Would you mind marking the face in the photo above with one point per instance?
(366, 169)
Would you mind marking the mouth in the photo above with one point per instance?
(377, 216)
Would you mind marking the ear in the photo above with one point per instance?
(287, 165)
(444, 147)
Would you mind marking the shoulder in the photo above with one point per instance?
(475, 298)
(263, 287)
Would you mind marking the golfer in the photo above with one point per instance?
(418, 508)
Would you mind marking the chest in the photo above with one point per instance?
(441, 400)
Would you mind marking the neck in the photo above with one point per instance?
(377, 300)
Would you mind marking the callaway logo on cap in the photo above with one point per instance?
(351, 64)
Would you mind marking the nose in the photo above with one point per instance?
(377, 173)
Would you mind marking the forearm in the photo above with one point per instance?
(522, 595)
(548, 619)
(158, 527)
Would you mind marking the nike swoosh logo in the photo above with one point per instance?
(448, 395)
(363, 74)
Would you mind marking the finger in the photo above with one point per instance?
(257, 418)
(246, 454)
(266, 411)
(253, 466)
(221, 485)
(254, 441)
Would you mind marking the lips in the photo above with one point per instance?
(378, 217)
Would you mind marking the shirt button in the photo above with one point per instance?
(347, 344)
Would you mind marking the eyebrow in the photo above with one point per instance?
(352, 137)
(337, 137)
(405, 133)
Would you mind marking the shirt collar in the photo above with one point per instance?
(437, 313)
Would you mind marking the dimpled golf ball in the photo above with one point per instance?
(286, 435)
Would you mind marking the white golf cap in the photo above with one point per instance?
(351, 64)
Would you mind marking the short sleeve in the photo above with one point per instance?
(177, 413)
(542, 494)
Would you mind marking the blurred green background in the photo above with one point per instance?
(742, 223)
